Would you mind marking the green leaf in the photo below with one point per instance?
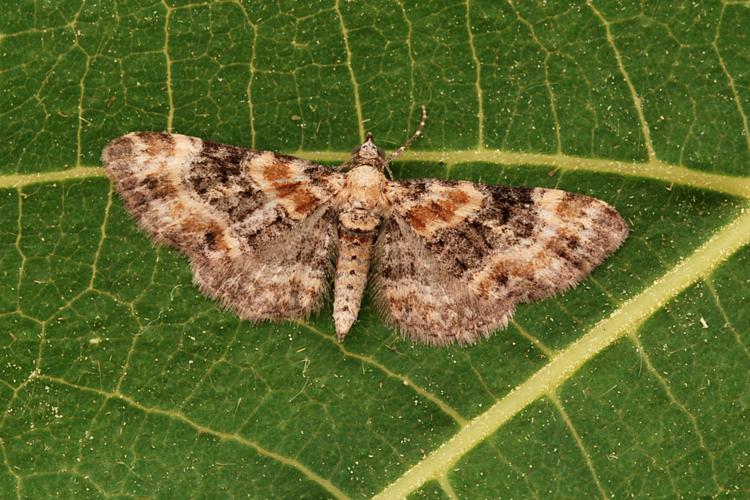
(118, 378)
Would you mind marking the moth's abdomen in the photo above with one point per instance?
(355, 250)
(360, 213)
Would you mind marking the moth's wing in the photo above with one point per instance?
(257, 226)
(454, 258)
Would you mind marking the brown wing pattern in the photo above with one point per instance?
(454, 258)
(257, 226)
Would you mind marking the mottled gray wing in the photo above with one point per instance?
(454, 258)
(257, 226)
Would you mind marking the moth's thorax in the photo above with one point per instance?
(361, 200)
(364, 184)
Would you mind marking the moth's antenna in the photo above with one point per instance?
(413, 138)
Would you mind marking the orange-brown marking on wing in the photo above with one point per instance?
(572, 205)
(286, 189)
(122, 147)
(159, 185)
(210, 233)
(501, 271)
(444, 210)
(286, 182)
(192, 224)
(304, 201)
(276, 170)
(158, 143)
(177, 209)
(215, 238)
(458, 197)
(562, 249)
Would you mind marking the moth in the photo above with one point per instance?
(266, 233)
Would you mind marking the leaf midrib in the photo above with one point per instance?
(656, 170)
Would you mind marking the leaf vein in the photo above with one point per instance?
(180, 417)
(478, 84)
(408, 382)
(355, 85)
(633, 92)
(675, 401)
(579, 442)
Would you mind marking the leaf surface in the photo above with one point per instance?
(117, 377)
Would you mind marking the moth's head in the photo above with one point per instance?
(368, 150)
(368, 153)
